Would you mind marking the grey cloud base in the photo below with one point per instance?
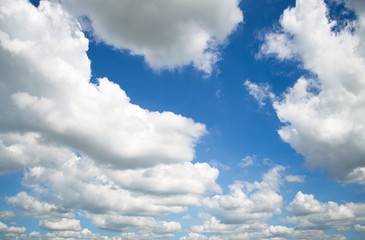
(168, 34)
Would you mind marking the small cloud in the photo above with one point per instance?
(218, 94)
(295, 178)
(359, 228)
(247, 161)
(260, 93)
(219, 165)
(6, 215)
(186, 217)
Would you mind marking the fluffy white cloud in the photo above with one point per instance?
(6, 229)
(281, 231)
(146, 225)
(323, 115)
(198, 178)
(58, 102)
(63, 224)
(312, 214)
(167, 34)
(80, 184)
(28, 150)
(248, 201)
(85, 146)
(33, 207)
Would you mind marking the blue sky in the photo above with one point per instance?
(184, 120)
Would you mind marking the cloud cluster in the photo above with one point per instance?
(168, 34)
(46, 90)
(309, 213)
(323, 113)
(87, 152)
(245, 213)
(84, 145)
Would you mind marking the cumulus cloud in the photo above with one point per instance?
(248, 201)
(309, 213)
(145, 225)
(243, 212)
(167, 34)
(82, 185)
(85, 146)
(323, 114)
(64, 106)
(33, 207)
(6, 229)
(63, 224)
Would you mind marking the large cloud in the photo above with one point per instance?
(168, 34)
(45, 89)
(85, 147)
(323, 114)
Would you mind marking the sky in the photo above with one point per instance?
(182, 119)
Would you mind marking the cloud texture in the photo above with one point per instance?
(87, 152)
(323, 113)
(168, 34)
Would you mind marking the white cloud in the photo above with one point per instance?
(281, 231)
(198, 178)
(65, 108)
(33, 207)
(9, 229)
(323, 115)
(295, 178)
(359, 228)
(248, 201)
(247, 161)
(261, 92)
(144, 224)
(194, 236)
(62, 224)
(167, 34)
(80, 184)
(304, 204)
(312, 214)
(6, 214)
(85, 146)
(26, 150)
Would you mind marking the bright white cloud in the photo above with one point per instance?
(323, 115)
(33, 207)
(312, 214)
(147, 225)
(168, 34)
(248, 201)
(80, 184)
(64, 106)
(63, 224)
(281, 231)
(85, 146)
